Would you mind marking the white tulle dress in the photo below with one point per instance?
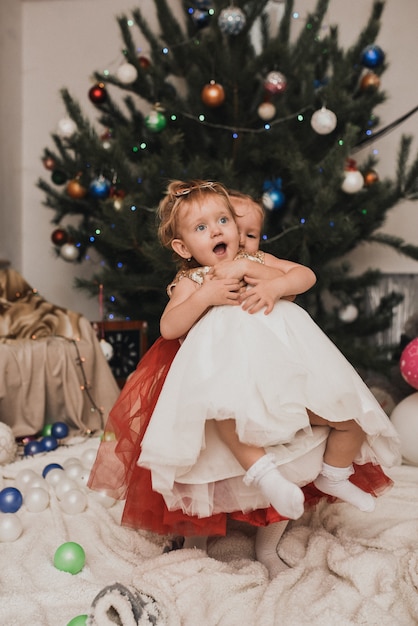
(263, 371)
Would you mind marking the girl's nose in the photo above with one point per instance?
(241, 240)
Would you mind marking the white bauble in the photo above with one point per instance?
(266, 111)
(69, 252)
(66, 127)
(107, 349)
(353, 181)
(348, 313)
(404, 417)
(127, 73)
(8, 445)
(323, 121)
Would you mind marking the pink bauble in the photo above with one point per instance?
(409, 363)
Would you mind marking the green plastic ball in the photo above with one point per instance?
(79, 620)
(46, 430)
(70, 557)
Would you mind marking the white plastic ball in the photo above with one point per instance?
(69, 252)
(24, 477)
(70, 461)
(266, 111)
(66, 127)
(10, 527)
(36, 499)
(37, 482)
(88, 457)
(404, 417)
(8, 445)
(73, 502)
(74, 470)
(127, 73)
(348, 313)
(54, 476)
(323, 121)
(64, 485)
(102, 498)
(353, 181)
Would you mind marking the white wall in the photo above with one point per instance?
(49, 44)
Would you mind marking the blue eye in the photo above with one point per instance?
(200, 227)
(223, 220)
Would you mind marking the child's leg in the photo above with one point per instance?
(343, 444)
(283, 495)
(266, 542)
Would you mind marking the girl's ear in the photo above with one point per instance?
(180, 248)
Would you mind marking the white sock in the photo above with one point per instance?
(266, 545)
(286, 497)
(334, 482)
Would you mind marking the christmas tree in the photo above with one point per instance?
(218, 93)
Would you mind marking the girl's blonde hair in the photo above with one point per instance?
(183, 194)
(256, 204)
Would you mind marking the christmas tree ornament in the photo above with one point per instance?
(404, 417)
(59, 177)
(155, 121)
(213, 94)
(372, 56)
(200, 18)
(231, 20)
(273, 197)
(75, 189)
(370, 178)
(324, 121)
(353, 179)
(127, 73)
(59, 236)
(49, 163)
(107, 349)
(348, 313)
(69, 252)
(98, 94)
(275, 82)
(8, 445)
(66, 128)
(10, 527)
(409, 363)
(266, 111)
(144, 62)
(370, 82)
(99, 188)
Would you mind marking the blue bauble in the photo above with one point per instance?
(273, 199)
(33, 447)
(10, 500)
(372, 56)
(50, 467)
(59, 430)
(49, 443)
(99, 188)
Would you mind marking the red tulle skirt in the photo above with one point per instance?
(115, 470)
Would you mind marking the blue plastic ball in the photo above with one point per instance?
(49, 443)
(33, 447)
(10, 500)
(372, 56)
(50, 467)
(59, 430)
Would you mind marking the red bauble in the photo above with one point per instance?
(370, 82)
(144, 62)
(59, 236)
(49, 163)
(75, 190)
(370, 178)
(213, 94)
(98, 93)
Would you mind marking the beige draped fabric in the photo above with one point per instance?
(52, 367)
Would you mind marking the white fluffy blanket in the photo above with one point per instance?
(347, 567)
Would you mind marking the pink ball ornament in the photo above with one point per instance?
(409, 363)
(275, 83)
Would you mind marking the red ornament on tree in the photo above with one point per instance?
(59, 236)
(98, 93)
(213, 94)
(370, 82)
(75, 190)
(144, 62)
(49, 163)
(370, 178)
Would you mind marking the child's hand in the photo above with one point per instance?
(262, 294)
(229, 269)
(218, 291)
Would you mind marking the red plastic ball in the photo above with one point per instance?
(59, 237)
(98, 93)
(409, 363)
